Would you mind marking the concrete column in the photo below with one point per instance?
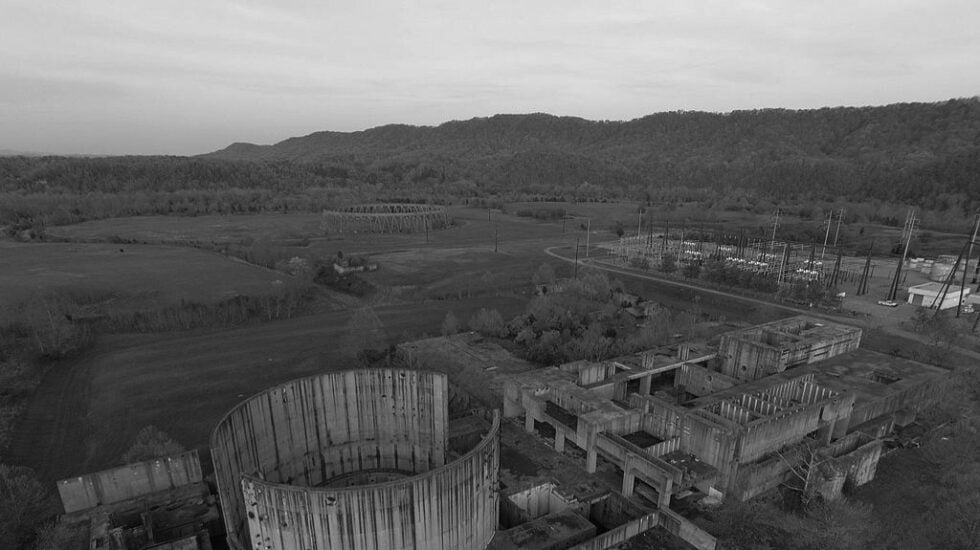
(684, 351)
(528, 422)
(559, 441)
(590, 451)
(645, 384)
(827, 432)
(664, 501)
(619, 391)
(629, 482)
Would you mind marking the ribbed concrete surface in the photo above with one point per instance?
(273, 452)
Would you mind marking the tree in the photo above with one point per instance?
(487, 322)
(151, 442)
(49, 319)
(24, 505)
(592, 344)
(668, 263)
(545, 275)
(691, 270)
(58, 536)
(450, 325)
(755, 525)
(834, 525)
(942, 330)
(762, 525)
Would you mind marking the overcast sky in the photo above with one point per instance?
(187, 77)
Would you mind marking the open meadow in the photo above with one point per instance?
(125, 276)
(87, 409)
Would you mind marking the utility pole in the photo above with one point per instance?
(863, 283)
(910, 225)
(496, 232)
(833, 279)
(840, 217)
(783, 262)
(576, 257)
(826, 235)
(950, 279)
(639, 222)
(966, 264)
(775, 224)
(588, 234)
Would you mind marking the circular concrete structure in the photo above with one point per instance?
(353, 460)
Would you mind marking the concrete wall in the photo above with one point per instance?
(759, 477)
(186, 543)
(621, 533)
(774, 432)
(700, 381)
(712, 442)
(535, 502)
(659, 418)
(746, 359)
(691, 533)
(274, 450)
(129, 481)
(910, 396)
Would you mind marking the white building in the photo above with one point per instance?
(929, 294)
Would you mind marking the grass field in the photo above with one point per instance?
(87, 411)
(131, 277)
(171, 229)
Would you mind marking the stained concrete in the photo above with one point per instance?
(129, 481)
(277, 454)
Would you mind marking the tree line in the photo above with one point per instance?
(922, 154)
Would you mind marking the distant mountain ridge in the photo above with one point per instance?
(827, 132)
(15, 153)
(902, 152)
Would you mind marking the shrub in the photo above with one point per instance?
(487, 322)
(151, 442)
(450, 325)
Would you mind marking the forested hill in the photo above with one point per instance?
(926, 155)
(904, 152)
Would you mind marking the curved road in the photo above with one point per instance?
(894, 331)
(633, 273)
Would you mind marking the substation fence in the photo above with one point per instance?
(785, 262)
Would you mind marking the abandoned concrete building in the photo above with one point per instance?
(585, 455)
(794, 400)
(158, 504)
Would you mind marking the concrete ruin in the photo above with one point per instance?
(770, 348)
(158, 504)
(784, 399)
(795, 401)
(586, 455)
(356, 460)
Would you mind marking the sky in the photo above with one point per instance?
(188, 77)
